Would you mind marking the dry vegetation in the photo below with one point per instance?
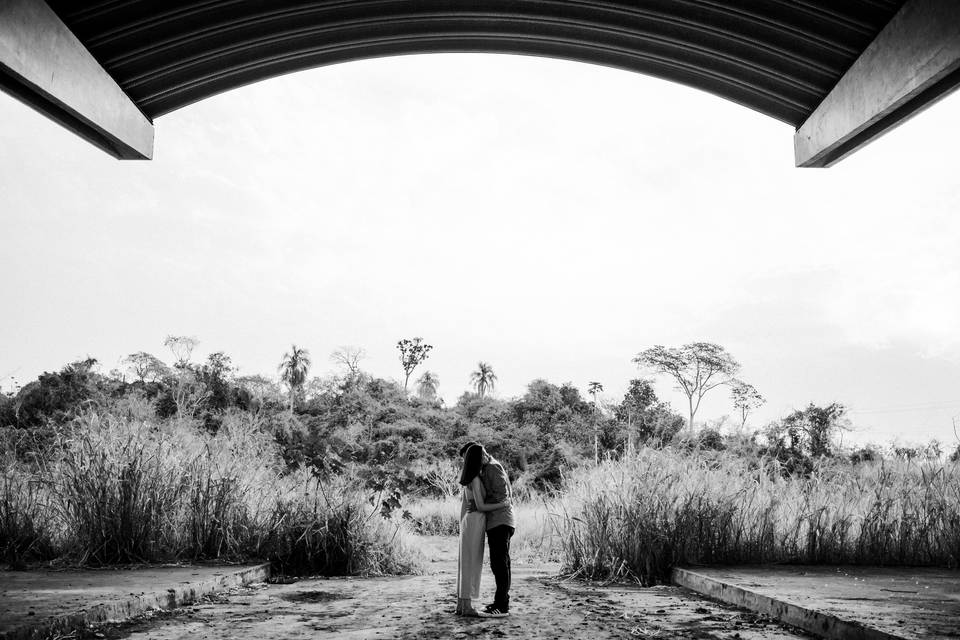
(120, 489)
(193, 463)
(112, 490)
(640, 517)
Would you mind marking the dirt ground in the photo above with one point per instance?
(422, 607)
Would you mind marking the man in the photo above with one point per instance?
(500, 528)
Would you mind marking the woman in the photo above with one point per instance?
(473, 526)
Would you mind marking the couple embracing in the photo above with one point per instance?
(485, 509)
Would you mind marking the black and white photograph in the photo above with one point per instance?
(508, 319)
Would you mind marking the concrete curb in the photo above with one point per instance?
(136, 605)
(824, 625)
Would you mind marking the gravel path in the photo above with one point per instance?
(421, 607)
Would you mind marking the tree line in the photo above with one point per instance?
(355, 415)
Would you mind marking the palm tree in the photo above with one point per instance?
(593, 389)
(483, 378)
(427, 386)
(293, 370)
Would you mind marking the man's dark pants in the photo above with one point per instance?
(498, 538)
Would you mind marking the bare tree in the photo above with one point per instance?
(181, 347)
(349, 358)
(412, 353)
(188, 394)
(697, 368)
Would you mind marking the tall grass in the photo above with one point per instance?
(116, 490)
(329, 527)
(25, 534)
(119, 488)
(640, 517)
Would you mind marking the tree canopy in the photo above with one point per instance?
(413, 351)
(696, 367)
(745, 399)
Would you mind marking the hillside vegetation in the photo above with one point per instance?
(338, 475)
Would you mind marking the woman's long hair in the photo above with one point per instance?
(472, 463)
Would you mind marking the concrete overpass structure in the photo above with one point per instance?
(842, 72)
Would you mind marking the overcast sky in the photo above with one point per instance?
(550, 218)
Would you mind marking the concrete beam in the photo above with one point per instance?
(913, 62)
(44, 65)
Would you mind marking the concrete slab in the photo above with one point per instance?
(36, 604)
(845, 602)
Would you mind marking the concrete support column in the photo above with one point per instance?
(911, 64)
(43, 64)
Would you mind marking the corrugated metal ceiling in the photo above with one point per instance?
(779, 57)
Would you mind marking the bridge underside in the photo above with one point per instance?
(782, 58)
